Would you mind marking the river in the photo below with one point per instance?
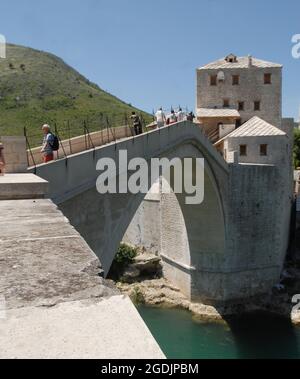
(259, 335)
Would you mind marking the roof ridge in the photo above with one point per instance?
(242, 62)
(250, 122)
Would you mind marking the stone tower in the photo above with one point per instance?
(234, 89)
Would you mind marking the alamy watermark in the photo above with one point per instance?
(296, 301)
(296, 47)
(2, 46)
(180, 176)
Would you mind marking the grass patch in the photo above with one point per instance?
(37, 88)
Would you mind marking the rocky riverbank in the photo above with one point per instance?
(144, 283)
(160, 293)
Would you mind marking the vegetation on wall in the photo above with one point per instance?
(296, 152)
(124, 257)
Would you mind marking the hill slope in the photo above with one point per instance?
(38, 87)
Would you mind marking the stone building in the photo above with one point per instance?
(232, 90)
(256, 142)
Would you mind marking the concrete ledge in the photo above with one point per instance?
(177, 264)
(22, 186)
(108, 329)
(15, 154)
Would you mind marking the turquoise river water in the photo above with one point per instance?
(180, 336)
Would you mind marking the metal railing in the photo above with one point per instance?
(91, 132)
(72, 132)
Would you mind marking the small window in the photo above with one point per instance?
(221, 76)
(231, 58)
(268, 79)
(257, 105)
(226, 103)
(238, 123)
(213, 80)
(263, 150)
(235, 80)
(243, 150)
(241, 106)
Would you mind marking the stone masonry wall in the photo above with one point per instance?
(15, 154)
(250, 89)
(145, 228)
(258, 229)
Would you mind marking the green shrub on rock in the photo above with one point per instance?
(125, 255)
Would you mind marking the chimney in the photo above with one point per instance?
(250, 60)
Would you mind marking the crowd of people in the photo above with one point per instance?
(163, 119)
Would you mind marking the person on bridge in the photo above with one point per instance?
(137, 124)
(180, 115)
(173, 117)
(2, 160)
(190, 117)
(160, 118)
(48, 141)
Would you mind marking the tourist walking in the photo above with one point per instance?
(180, 115)
(137, 124)
(173, 117)
(160, 118)
(190, 117)
(50, 144)
(2, 160)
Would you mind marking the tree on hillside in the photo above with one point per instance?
(297, 148)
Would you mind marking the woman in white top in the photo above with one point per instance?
(180, 115)
(160, 118)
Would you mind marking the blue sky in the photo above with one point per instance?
(146, 51)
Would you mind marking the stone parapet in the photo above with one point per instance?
(15, 154)
(22, 186)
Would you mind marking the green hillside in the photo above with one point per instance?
(38, 87)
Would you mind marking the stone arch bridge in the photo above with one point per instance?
(215, 251)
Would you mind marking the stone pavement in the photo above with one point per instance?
(54, 302)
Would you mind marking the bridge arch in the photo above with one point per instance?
(192, 236)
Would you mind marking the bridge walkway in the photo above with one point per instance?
(53, 301)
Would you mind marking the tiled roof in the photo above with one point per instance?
(224, 112)
(242, 62)
(253, 128)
